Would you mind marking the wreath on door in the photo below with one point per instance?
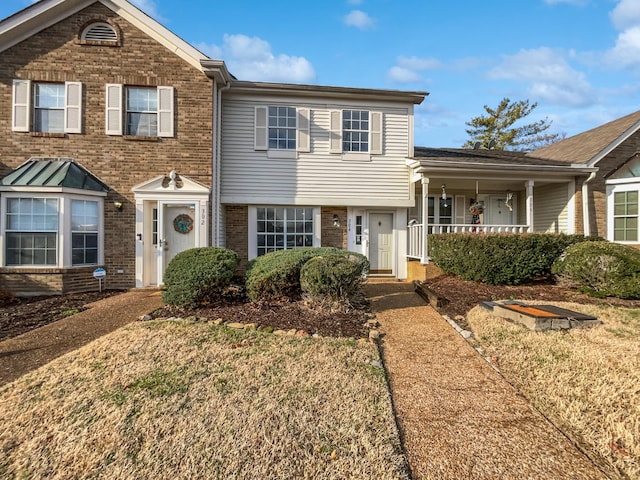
(183, 223)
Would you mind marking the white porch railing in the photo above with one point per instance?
(416, 233)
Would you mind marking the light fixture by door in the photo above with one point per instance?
(336, 221)
(118, 206)
(507, 202)
(443, 199)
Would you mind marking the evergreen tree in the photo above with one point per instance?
(495, 130)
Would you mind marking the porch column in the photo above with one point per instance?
(529, 210)
(425, 218)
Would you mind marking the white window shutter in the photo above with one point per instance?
(73, 107)
(335, 139)
(375, 147)
(114, 109)
(165, 112)
(460, 205)
(303, 140)
(261, 136)
(21, 116)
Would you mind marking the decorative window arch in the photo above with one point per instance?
(99, 32)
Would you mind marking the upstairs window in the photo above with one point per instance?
(139, 111)
(48, 104)
(357, 132)
(142, 111)
(47, 107)
(280, 129)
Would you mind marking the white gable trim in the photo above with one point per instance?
(157, 185)
(613, 145)
(46, 13)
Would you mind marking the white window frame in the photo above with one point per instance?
(23, 106)
(116, 110)
(262, 130)
(375, 134)
(620, 186)
(64, 234)
(253, 223)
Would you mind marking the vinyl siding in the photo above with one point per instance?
(317, 177)
(550, 208)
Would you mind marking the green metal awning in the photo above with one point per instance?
(53, 172)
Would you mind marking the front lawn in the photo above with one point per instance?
(181, 400)
(586, 381)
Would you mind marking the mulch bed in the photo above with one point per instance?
(19, 315)
(280, 316)
(462, 295)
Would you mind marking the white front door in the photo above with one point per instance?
(500, 212)
(381, 252)
(177, 231)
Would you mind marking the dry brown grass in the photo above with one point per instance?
(587, 381)
(178, 400)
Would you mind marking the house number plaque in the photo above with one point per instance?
(183, 223)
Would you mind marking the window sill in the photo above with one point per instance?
(282, 154)
(356, 157)
(49, 134)
(42, 269)
(139, 138)
(100, 43)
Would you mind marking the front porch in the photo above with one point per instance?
(465, 191)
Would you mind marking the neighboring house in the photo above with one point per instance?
(611, 209)
(107, 146)
(318, 166)
(490, 191)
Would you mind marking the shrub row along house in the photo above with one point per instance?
(122, 145)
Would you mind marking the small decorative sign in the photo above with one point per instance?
(183, 223)
(99, 273)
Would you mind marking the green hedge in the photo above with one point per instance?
(276, 275)
(198, 276)
(499, 259)
(334, 278)
(601, 269)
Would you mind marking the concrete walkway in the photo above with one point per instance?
(38, 347)
(459, 418)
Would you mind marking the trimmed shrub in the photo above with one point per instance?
(198, 276)
(601, 269)
(334, 278)
(276, 275)
(499, 259)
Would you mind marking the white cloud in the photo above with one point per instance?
(359, 19)
(626, 52)
(626, 14)
(550, 77)
(251, 58)
(408, 69)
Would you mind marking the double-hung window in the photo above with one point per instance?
(38, 233)
(139, 111)
(280, 129)
(625, 216)
(31, 231)
(84, 232)
(356, 133)
(47, 107)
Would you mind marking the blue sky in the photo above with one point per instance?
(578, 59)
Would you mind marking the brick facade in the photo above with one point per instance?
(332, 236)
(237, 233)
(56, 55)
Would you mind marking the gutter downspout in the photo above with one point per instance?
(214, 161)
(218, 154)
(586, 224)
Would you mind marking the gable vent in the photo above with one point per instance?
(100, 32)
